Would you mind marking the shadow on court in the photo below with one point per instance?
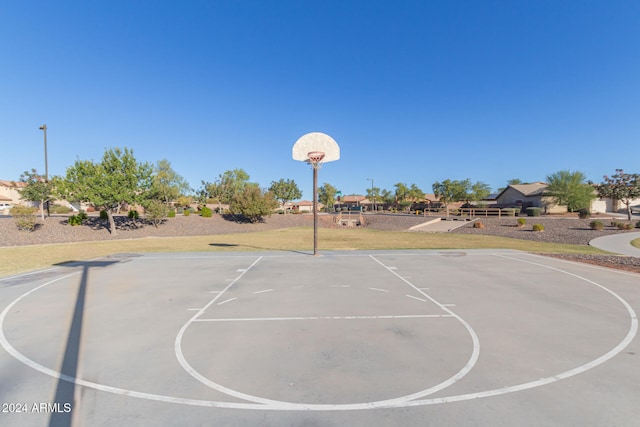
(69, 369)
(233, 245)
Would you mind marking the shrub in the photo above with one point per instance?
(508, 212)
(59, 209)
(625, 226)
(596, 225)
(538, 227)
(584, 213)
(24, 217)
(206, 212)
(103, 215)
(638, 224)
(75, 220)
(133, 214)
(82, 215)
(156, 211)
(478, 224)
(186, 212)
(172, 213)
(534, 211)
(521, 222)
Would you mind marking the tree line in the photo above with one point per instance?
(120, 179)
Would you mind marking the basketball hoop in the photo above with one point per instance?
(315, 148)
(315, 157)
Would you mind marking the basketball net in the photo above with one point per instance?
(315, 158)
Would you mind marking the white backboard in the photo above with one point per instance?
(316, 141)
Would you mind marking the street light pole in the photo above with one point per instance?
(372, 194)
(46, 164)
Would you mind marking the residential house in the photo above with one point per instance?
(305, 206)
(536, 195)
(10, 192)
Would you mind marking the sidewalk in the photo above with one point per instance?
(438, 225)
(618, 243)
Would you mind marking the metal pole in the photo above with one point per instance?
(46, 163)
(372, 195)
(315, 210)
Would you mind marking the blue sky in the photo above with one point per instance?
(413, 91)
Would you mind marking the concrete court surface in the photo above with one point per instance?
(387, 338)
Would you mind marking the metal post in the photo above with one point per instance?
(46, 164)
(372, 195)
(315, 210)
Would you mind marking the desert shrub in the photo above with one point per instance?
(584, 213)
(533, 211)
(521, 222)
(478, 224)
(74, 220)
(103, 215)
(24, 217)
(508, 212)
(253, 203)
(596, 225)
(625, 226)
(538, 227)
(133, 214)
(171, 213)
(186, 212)
(156, 211)
(617, 224)
(638, 224)
(206, 212)
(82, 215)
(59, 209)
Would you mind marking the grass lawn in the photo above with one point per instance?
(636, 243)
(14, 260)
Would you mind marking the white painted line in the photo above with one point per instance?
(475, 352)
(194, 309)
(423, 289)
(379, 290)
(215, 292)
(340, 286)
(401, 402)
(241, 270)
(228, 300)
(448, 305)
(419, 299)
(269, 319)
(263, 291)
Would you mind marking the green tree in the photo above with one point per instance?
(449, 191)
(478, 191)
(415, 194)
(36, 189)
(167, 184)
(387, 197)
(117, 179)
(226, 186)
(402, 196)
(327, 195)
(621, 186)
(570, 189)
(285, 191)
(373, 194)
(253, 203)
(156, 211)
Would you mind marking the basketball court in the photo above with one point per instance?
(345, 338)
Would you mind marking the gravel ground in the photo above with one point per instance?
(559, 230)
